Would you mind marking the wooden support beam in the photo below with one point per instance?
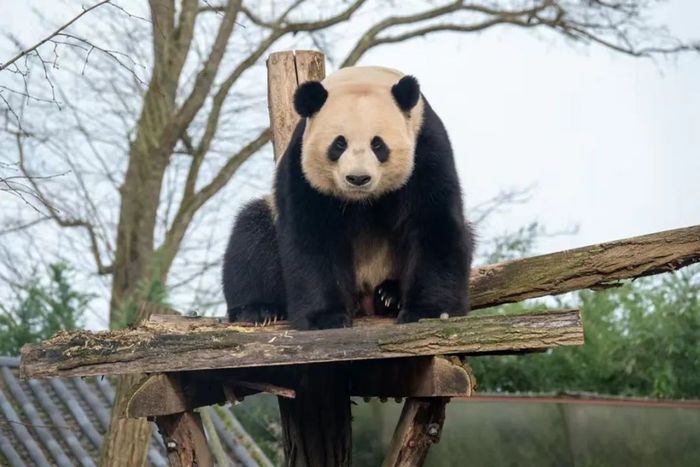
(156, 348)
(184, 439)
(419, 427)
(412, 377)
(589, 267)
(165, 394)
(156, 395)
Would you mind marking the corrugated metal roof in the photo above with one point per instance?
(62, 421)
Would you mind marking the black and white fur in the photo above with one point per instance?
(313, 255)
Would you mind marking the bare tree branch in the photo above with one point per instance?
(56, 215)
(191, 204)
(51, 36)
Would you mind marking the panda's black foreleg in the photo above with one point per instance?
(436, 281)
(319, 278)
(252, 273)
(318, 292)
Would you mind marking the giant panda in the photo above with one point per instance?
(366, 215)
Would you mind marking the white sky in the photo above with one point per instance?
(611, 143)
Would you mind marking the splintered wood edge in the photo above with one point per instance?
(164, 349)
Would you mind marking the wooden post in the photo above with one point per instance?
(185, 440)
(419, 427)
(316, 423)
(286, 71)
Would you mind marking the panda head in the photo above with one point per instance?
(361, 129)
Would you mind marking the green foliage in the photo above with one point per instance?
(44, 308)
(641, 340)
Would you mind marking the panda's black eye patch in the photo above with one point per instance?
(337, 148)
(380, 149)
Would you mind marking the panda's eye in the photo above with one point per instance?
(340, 143)
(380, 149)
(337, 148)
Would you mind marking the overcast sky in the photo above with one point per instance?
(610, 143)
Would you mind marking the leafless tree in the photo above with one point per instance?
(161, 112)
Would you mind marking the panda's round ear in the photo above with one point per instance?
(309, 98)
(406, 93)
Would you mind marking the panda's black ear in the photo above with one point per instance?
(406, 93)
(309, 98)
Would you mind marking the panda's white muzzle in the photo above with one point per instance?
(357, 173)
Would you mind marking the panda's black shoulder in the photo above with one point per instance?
(434, 177)
(433, 132)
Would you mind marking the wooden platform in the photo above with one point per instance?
(187, 344)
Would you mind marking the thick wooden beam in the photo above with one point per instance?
(156, 395)
(589, 267)
(156, 348)
(165, 394)
(419, 427)
(412, 377)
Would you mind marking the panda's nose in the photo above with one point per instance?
(358, 180)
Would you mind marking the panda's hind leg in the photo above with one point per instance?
(252, 274)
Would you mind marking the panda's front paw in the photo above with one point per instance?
(387, 298)
(327, 319)
(262, 314)
(411, 316)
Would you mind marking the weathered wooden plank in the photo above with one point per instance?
(156, 348)
(286, 71)
(589, 267)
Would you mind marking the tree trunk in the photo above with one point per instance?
(316, 423)
(127, 441)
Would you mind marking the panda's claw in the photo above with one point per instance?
(387, 298)
(258, 314)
